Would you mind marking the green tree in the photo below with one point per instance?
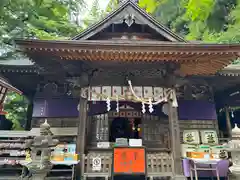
(150, 5)
(206, 20)
(95, 14)
(42, 19)
(215, 21)
(16, 105)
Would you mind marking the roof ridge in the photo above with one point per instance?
(137, 8)
(108, 16)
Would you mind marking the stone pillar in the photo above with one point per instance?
(175, 144)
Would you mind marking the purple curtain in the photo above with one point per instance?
(100, 107)
(67, 107)
(196, 110)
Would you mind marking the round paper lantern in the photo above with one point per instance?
(165, 108)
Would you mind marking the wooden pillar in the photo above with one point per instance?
(228, 123)
(81, 134)
(175, 144)
(28, 124)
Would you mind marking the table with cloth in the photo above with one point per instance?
(212, 168)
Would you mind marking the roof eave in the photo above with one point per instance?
(75, 44)
(9, 87)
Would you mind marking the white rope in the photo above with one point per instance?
(163, 99)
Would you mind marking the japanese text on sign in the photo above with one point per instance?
(129, 160)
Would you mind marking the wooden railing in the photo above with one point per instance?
(106, 165)
(159, 164)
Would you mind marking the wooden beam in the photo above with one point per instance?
(82, 124)
(28, 124)
(81, 134)
(177, 168)
(228, 123)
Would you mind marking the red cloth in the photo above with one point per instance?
(2, 112)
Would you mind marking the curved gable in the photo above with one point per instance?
(129, 13)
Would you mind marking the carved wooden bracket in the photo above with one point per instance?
(195, 92)
(84, 92)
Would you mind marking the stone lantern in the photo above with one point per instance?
(234, 148)
(40, 147)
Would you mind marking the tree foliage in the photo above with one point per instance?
(215, 21)
(42, 19)
(95, 14)
(205, 20)
(16, 106)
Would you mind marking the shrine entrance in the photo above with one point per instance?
(126, 123)
(123, 127)
(120, 128)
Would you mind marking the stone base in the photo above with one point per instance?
(38, 176)
(178, 177)
(234, 177)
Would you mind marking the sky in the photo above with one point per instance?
(102, 3)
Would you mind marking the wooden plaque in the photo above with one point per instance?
(129, 160)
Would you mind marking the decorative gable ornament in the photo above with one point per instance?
(129, 12)
(129, 19)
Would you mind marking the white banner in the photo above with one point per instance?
(103, 145)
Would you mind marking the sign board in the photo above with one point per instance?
(96, 164)
(129, 160)
(103, 145)
(135, 142)
(121, 142)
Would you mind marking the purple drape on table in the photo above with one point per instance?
(222, 167)
(67, 107)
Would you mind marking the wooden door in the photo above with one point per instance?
(155, 132)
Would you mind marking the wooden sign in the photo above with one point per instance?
(129, 160)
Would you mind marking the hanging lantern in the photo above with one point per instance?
(165, 108)
(132, 124)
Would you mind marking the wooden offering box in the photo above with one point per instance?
(129, 160)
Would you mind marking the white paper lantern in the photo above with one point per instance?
(165, 108)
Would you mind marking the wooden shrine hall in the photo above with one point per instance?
(129, 60)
